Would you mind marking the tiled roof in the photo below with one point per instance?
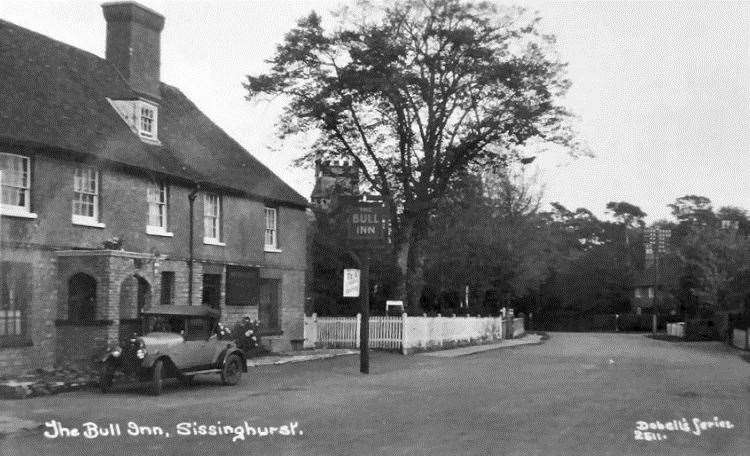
(55, 95)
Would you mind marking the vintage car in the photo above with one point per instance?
(176, 341)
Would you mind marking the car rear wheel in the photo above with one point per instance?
(105, 379)
(157, 377)
(232, 370)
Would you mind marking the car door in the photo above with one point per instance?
(198, 347)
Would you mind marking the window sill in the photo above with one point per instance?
(212, 241)
(149, 139)
(84, 323)
(270, 249)
(85, 221)
(158, 231)
(13, 212)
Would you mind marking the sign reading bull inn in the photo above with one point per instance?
(365, 223)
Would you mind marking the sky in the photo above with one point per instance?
(661, 90)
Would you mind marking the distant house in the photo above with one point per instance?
(119, 194)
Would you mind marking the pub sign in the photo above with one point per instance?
(365, 223)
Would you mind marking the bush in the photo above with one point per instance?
(245, 334)
(701, 329)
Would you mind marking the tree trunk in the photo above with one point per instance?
(409, 261)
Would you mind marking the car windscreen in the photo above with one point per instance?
(197, 328)
(165, 323)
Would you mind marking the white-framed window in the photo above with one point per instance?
(15, 191)
(271, 240)
(212, 219)
(147, 120)
(86, 197)
(157, 195)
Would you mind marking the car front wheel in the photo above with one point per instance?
(157, 377)
(232, 370)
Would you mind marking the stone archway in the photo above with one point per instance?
(135, 295)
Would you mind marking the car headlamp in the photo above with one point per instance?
(116, 352)
(141, 353)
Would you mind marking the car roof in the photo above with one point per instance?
(190, 311)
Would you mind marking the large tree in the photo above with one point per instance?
(692, 210)
(486, 237)
(416, 93)
(716, 263)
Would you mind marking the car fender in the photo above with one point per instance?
(150, 359)
(233, 351)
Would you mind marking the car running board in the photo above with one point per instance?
(206, 371)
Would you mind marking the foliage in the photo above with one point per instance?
(416, 93)
(715, 264)
(114, 243)
(692, 209)
(627, 214)
(481, 243)
(246, 334)
(493, 239)
(329, 255)
(223, 332)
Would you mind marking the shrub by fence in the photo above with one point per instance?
(408, 334)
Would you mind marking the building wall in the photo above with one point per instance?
(123, 211)
(39, 351)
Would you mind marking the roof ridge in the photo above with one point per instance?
(49, 38)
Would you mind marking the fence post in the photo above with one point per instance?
(357, 330)
(314, 324)
(441, 333)
(403, 333)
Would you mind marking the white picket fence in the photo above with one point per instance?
(406, 333)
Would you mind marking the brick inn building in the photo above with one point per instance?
(119, 194)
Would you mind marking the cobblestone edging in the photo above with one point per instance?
(11, 424)
(44, 382)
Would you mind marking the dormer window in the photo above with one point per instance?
(142, 117)
(147, 120)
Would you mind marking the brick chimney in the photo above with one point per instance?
(133, 34)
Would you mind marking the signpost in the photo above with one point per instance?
(364, 231)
